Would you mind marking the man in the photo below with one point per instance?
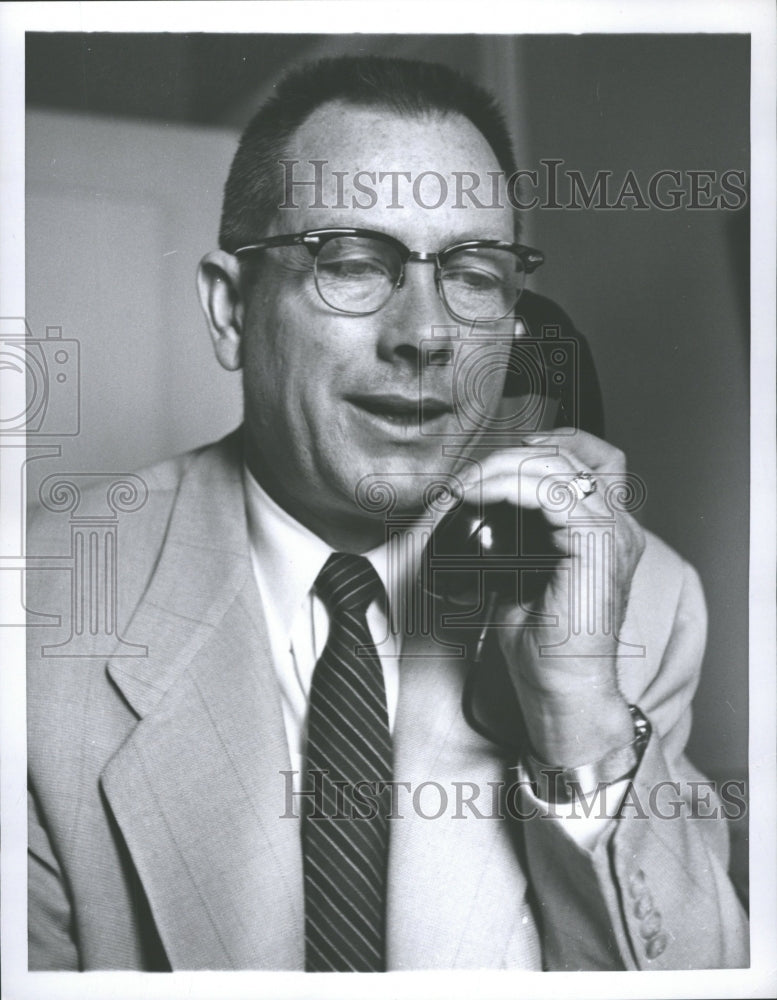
(250, 794)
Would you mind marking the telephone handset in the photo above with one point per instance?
(477, 556)
(550, 382)
(480, 556)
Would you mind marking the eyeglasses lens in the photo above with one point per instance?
(357, 275)
(482, 283)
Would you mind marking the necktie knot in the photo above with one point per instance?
(348, 583)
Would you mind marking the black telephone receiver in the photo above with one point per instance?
(476, 558)
(479, 556)
(483, 555)
(550, 368)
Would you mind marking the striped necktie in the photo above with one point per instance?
(345, 847)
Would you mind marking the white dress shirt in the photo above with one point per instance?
(287, 557)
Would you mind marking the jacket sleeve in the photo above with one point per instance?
(653, 893)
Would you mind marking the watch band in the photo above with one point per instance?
(563, 784)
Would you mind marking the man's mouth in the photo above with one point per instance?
(402, 412)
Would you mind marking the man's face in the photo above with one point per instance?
(331, 398)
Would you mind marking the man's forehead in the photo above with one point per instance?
(375, 168)
(365, 137)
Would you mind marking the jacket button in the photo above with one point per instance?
(643, 905)
(637, 883)
(656, 946)
(651, 925)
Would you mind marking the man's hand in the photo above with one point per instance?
(561, 654)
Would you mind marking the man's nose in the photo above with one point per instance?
(414, 314)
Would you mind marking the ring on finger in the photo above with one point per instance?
(583, 485)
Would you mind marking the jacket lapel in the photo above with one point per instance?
(198, 790)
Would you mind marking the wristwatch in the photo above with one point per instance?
(552, 783)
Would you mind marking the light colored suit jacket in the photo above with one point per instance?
(158, 830)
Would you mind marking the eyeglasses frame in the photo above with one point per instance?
(314, 240)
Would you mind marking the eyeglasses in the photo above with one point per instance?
(357, 271)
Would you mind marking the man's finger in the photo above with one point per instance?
(592, 452)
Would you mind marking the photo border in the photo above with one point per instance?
(324, 16)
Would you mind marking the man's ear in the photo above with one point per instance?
(218, 282)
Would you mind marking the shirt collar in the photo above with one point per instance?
(288, 556)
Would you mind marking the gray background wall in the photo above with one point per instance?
(128, 143)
